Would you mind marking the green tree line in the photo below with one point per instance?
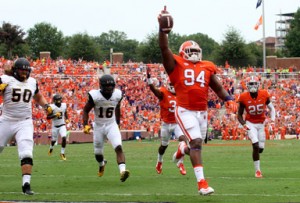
(14, 41)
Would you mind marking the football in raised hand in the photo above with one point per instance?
(166, 22)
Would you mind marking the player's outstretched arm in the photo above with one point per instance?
(40, 99)
(153, 89)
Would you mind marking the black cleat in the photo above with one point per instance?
(50, 152)
(26, 189)
(124, 175)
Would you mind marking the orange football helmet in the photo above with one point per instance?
(190, 51)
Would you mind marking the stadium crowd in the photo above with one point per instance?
(140, 109)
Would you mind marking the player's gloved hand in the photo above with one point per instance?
(2, 87)
(246, 127)
(231, 105)
(48, 109)
(87, 129)
(58, 114)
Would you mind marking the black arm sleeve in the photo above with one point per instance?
(91, 101)
(37, 89)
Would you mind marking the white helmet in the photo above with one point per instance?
(252, 84)
(190, 51)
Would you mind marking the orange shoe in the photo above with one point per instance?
(181, 169)
(258, 174)
(158, 167)
(204, 189)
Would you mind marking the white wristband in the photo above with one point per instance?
(150, 81)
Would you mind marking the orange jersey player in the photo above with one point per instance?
(167, 103)
(254, 102)
(192, 77)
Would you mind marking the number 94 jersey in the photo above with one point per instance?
(17, 98)
(104, 109)
(255, 108)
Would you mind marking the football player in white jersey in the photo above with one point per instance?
(18, 91)
(106, 103)
(59, 120)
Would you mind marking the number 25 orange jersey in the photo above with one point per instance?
(255, 108)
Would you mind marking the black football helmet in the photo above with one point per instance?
(57, 99)
(21, 69)
(107, 85)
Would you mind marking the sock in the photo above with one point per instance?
(182, 147)
(102, 163)
(122, 167)
(62, 151)
(159, 158)
(26, 179)
(257, 165)
(199, 172)
(180, 160)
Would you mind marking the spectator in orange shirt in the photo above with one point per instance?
(267, 132)
(282, 130)
(225, 133)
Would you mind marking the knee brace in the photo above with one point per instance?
(27, 161)
(261, 150)
(99, 157)
(255, 146)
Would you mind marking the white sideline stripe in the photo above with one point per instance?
(264, 178)
(155, 176)
(151, 194)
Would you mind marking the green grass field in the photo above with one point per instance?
(228, 168)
